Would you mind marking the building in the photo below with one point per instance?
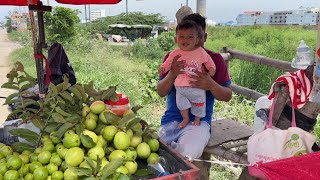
(94, 15)
(303, 16)
(247, 18)
(19, 21)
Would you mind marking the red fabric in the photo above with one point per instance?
(298, 168)
(16, 2)
(25, 2)
(48, 73)
(88, 1)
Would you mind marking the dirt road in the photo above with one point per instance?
(6, 47)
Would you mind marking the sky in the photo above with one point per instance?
(219, 11)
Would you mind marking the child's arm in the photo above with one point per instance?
(210, 66)
(166, 66)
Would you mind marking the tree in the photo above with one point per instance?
(61, 24)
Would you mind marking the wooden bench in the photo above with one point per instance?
(229, 137)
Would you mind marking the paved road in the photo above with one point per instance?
(6, 47)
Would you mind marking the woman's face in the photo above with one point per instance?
(187, 39)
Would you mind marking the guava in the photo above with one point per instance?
(3, 168)
(121, 141)
(122, 170)
(29, 176)
(154, 145)
(153, 158)
(57, 175)
(131, 154)
(74, 156)
(34, 165)
(92, 116)
(24, 158)
(6, 150)
(52, 168)
(143, 150)
(72, 140)
(55, 159)
(101, 141)
(97, 107)
(95, 152)
(109, 132)
(14, 163)
(11, 175)
(85, 111)
(41, 173)
(90, 124)
(117, 154)
(132, 166)
(44, 157)
(69, 175)
(135, 141)
(91, 134)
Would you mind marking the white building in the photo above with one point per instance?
(94, 15)
(211, 22)
(303, 16)
(247, 18)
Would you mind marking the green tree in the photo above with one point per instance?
(61, 24)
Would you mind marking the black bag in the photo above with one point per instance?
(60, 65)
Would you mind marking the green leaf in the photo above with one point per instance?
(58, 118)
(110, 168)
(37, 122)
(10, 85)
(98, 167)
(75, 92)
(25, 134)
(53, 89)
(51, 127)
(79, 128)
(28, 79)
(28, 102)
(82, 92)
(99, 127)
(15, 112)
(90, 162)
(80, 171)
(123, 177)
(135, 109)
(106, 94)
(19, 147)
(62, 129)
(73, 118)
(11, 96)
(125, 119)
(13, 101)
(60, 100)
(133, 122)
(87, 141)
(62, 112)
(67, 96)
(26, 86)
(142, 172)
(112, 118)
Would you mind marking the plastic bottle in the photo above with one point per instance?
(259, 122)
(120, 106)
(303, 57)
(315, 93)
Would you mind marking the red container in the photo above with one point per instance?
(120, 106)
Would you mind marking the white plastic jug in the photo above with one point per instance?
(304, 57)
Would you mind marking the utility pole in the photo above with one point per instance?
(127, 7)
(201, 7)
(48, 4)
(85, 13)
(187, 3)
(89, 13)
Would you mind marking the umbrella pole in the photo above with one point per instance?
(41, 43)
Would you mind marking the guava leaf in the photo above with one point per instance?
(25, 134)
(79, 128)
(67, 96)
(80, 171)
(98, 167)
(38, 123)
(75, 92)
(51, 127)
(90, 162)
(99, 127)
(125, 119)
(62, 129)
(132, 123)
(135, 109)
(87, 141)
(112, 118)
(58, 118)
(110, 168)
(11, 96)
(123, 177)
(73, 118)
(10, 85)
(53, 89)
(19, 147)
(106, 94)
(142, 172)
(26, 86)
(13, 101)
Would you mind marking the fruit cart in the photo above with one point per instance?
(75, 135)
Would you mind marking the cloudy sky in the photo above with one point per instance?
(217, 10)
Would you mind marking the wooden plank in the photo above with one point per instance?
(234, 144)
(246, 92)
(226, 130)
(258, 59)
(227, 154)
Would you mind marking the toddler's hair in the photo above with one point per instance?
(187, 24)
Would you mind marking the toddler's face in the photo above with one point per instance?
(187, 39)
